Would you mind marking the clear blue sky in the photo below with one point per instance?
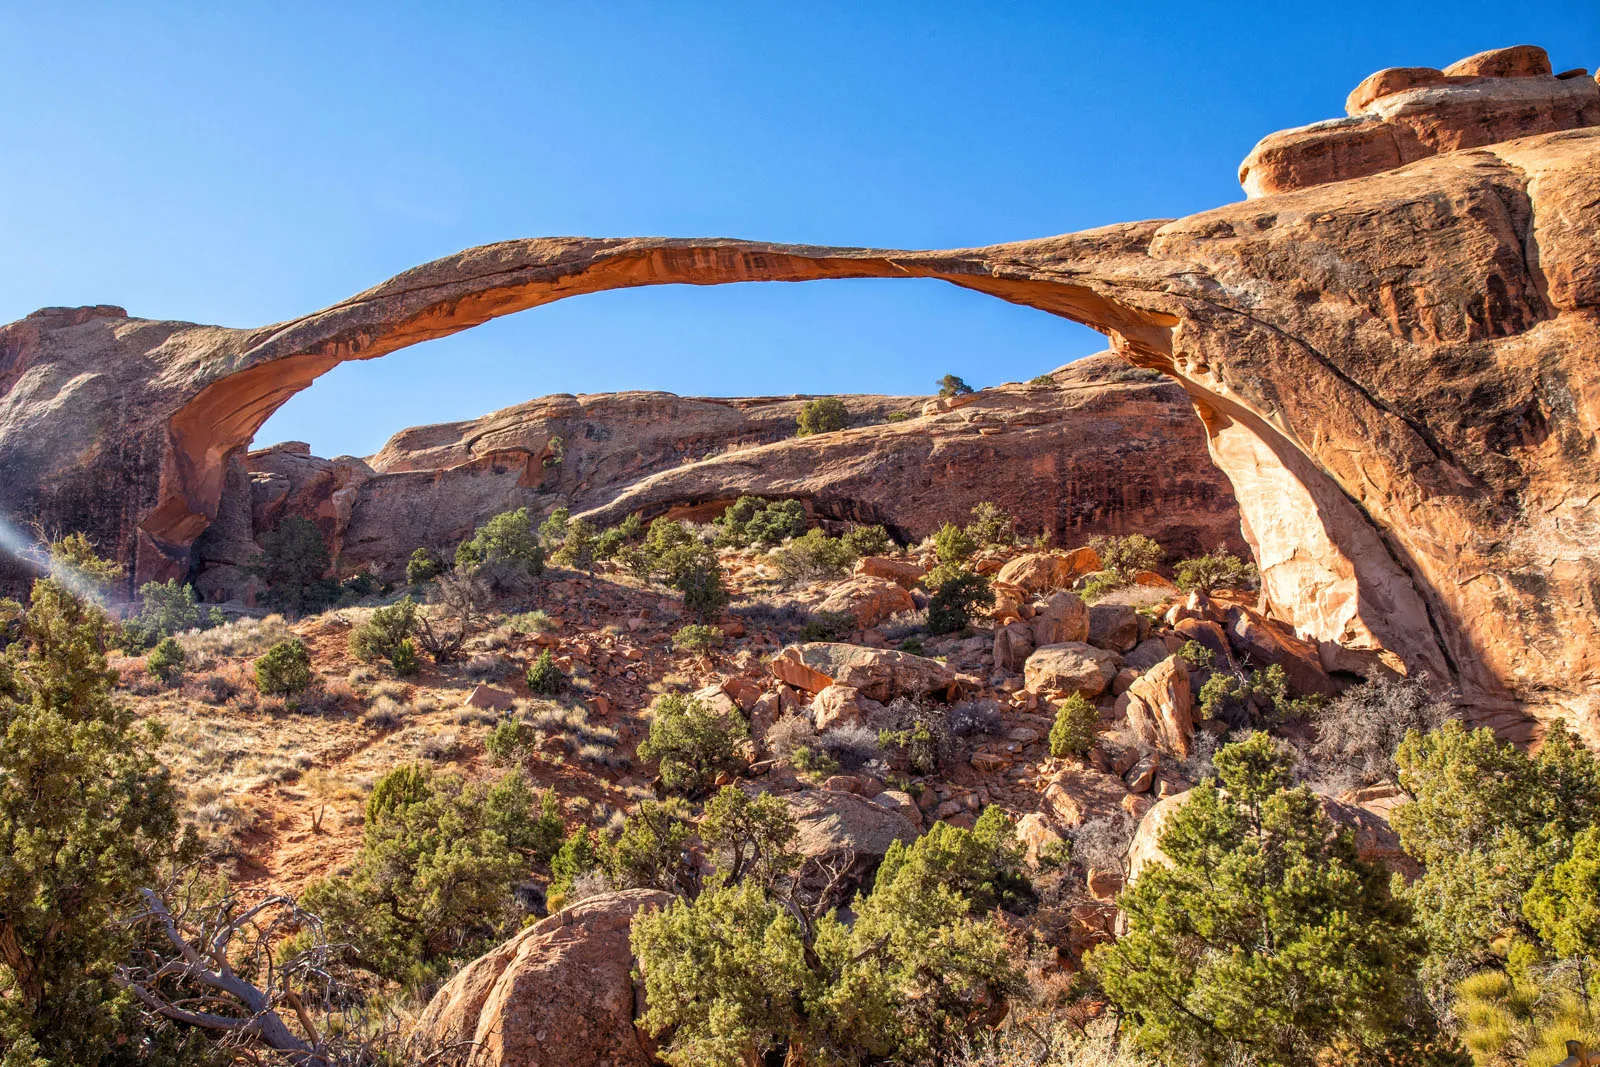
(243, 163)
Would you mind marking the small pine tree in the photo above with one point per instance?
(822, 415)
(691, 743)
(403, 658)
(544, 677)
(950, 385)
(952, 544)
(423, 567)
(1073, 733)
(285, 669)
(166, 660)
(957, 595)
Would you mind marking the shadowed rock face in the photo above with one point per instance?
(1096, 451)
(1397, 372)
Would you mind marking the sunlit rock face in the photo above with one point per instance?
(1397, 371)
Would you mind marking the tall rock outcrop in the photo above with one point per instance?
(1397, 371)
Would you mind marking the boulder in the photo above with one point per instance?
(1036, 834)
(1160, 708)
(1064, 617)
(1043, 572)
(901, 572)
(1070, 667)
(879, 674)
(558, 994)
(489, 698)
(1013, 644)
(1077, 795)
(1146, 654)
(1517, 61)
(837, 705)
(870, 600)
(1261, 642)
(833, 824)
(901, 804)
(1208, 634)
(717, 699)
(1146, 847)
(1113, 626)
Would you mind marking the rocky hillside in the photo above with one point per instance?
(1095, 448)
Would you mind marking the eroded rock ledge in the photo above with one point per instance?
(1398, 373)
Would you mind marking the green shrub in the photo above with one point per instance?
(898, 416)
(909, 981)
(578, 548)
(822, 415)
(166, 610)
(1101, 583)
(828, 625)
(285, 668)
(1127, 556)
(509, 741)
(544, 677)
(752, 521)
(435, 875)
(868, 540)
(378, 637)
(403, 658)
(1042, 379)
(956, 596)
(696, 573)
(1265, 939)
(983, 864)
(363, 583)
(1073, 733)
(812, 558)
(952, 544)
(576, 856)
(553, 530)
(1219, 569)
(697, 638)
(609, 543)
(423, 566)
(912, 645)
(1486, 820)
(991, 526)
(652, 850)
(166, 660)
(88, 817)
(748, 837)
(1197, 656)
(293, 564)
(950, 385)
(691, 743)
(509, 539)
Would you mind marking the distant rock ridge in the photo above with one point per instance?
(1100, 450)
(1394, 356)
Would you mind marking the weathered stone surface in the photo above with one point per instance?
(1113, 626)
(1259, 643)
(1065, 617)
(1404, 114)
(1036, 834)
(1013, 644)
(877, 673)
(1071, 667)
(899, 571)
(830, 824)
(1076, 795)
(559, 994)
(837, 705)
(1160, 708)
(1044, 572)
(870, 600)
(1400, 390)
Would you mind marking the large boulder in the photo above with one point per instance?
(1071, 667)
(1064, 617)
(901, 572)
(837, 705)
(1077, 795)
(1044, 572)
(1259, 642)
(830, 824)
(879, 674)
(1113, 626)
(1160, 707)
(1013, 644)
(868, 599)
(558, 994)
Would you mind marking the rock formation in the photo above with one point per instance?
(1397, 371)
(1098, 451)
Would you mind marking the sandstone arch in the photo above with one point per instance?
(1400, 373)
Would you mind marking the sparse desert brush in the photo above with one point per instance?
(1133, 596)
(362, 674)
(439, 746)
(489, 667)
(389, 688)
(280, 769)
(330, 785)
(239, 638)
(531, 622)
(385, 714)
(217, 687)
(500, 637)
